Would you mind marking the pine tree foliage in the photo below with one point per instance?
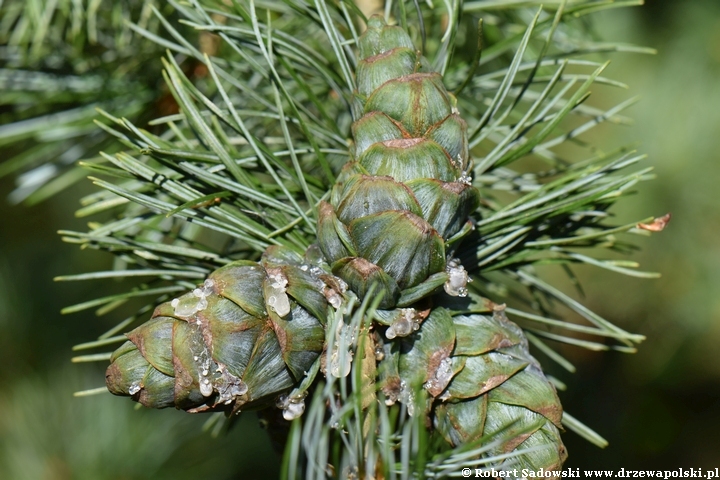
(59, 62)
(259, 139)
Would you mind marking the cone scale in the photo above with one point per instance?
(248, 334)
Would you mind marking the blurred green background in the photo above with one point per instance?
(659, 408)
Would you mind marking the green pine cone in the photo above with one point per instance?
(249, 333)
(474, 377)
(405, 191)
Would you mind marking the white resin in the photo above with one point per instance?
(294, 410)
(456, 284)
(292, 407)
(334, 299)
(442, 376)
(206, 387)
(277, 299)
(340, 363)
(187, 306)
(407, 323)
(465, 178)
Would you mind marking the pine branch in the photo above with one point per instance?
(59, 62)
(258, 141)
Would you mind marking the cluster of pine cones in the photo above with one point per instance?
(249, 334)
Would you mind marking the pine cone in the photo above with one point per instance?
(474, 377)
(406, 190)
(250, 332)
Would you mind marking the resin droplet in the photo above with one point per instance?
(405, 324)
(193, 302)
(294, 410)
(441, 379)
(456, 284)
(277, 299)
(134, 388)
(333, 298)
(206, 387)
(340, 363)
(333, 288)
(465, 178)
(292, 407)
